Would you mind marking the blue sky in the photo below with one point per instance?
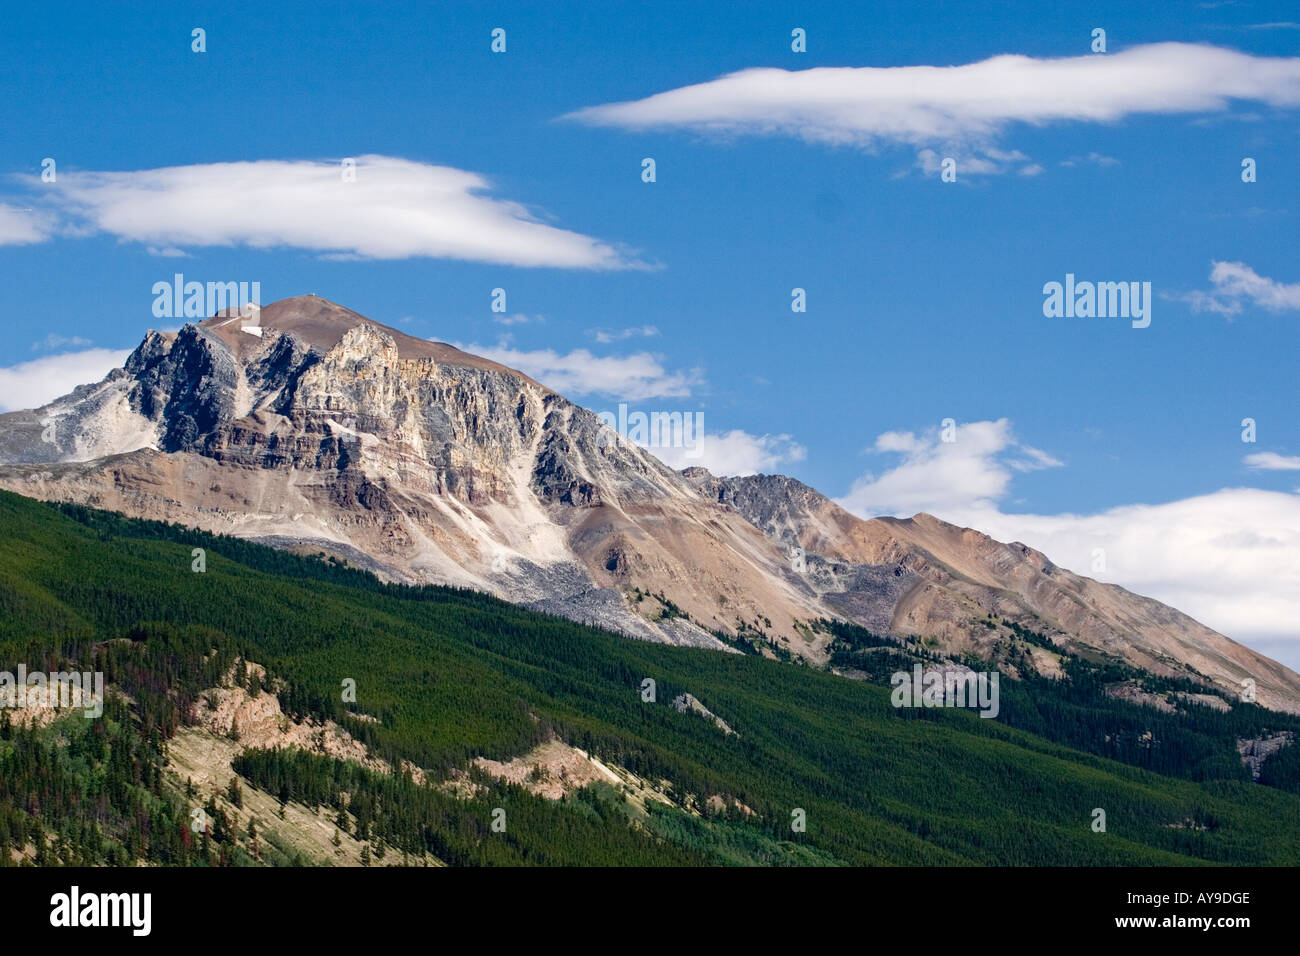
(924, 297)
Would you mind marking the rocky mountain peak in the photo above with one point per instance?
(331, 432)
(321, 324)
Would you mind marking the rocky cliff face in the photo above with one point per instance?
(326, 431)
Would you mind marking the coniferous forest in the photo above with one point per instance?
(821, 769)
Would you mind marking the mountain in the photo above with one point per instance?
(221, 695)
(957, 576)
(328, 432)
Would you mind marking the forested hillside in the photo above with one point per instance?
(445, 676)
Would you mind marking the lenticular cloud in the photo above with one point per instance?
(386, 208)
(971, 103)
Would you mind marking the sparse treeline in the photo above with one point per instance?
(393, 810)
(90, 793)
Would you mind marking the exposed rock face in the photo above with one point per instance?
(425, 464)
(780, 507)
(186, 387)
(554, 769)
(1256, 750)
(689, 702)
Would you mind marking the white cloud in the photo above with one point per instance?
(734, 453)
(1236, 284)
(982, 162)
(971, 104)
(20, 227)
(1226, 558)
(898, 441)
(1033, 460)
(56, 341)
(628, 378)
(972, 471)
(518, 318)
(1272, 461)
(32, 384)
(606, 336)
(1095, 158)
(395, 209)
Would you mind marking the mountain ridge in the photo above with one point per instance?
(331, 432)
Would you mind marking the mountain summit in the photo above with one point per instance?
(329, 432)
(322, 324)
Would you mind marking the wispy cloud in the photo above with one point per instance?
(1094, 158)
(55, 341)
(395, 209)
(1272, 461)
(606, 336)
(968, 106)
(985, 162)
(1236, 285)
